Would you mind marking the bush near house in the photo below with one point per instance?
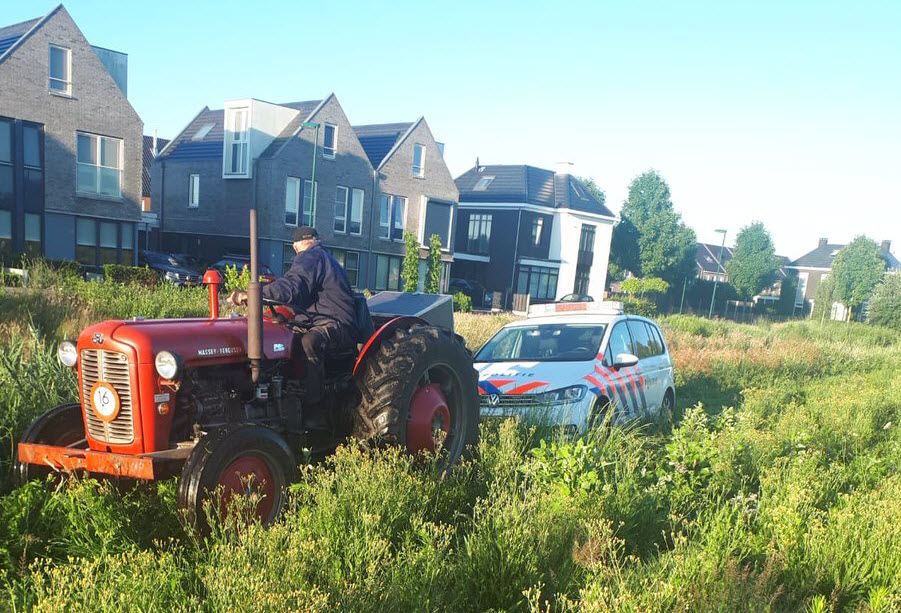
(134, 275)
(885, 304)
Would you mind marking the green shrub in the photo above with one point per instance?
(462, 302)
(885, 304)
(235, 280)
(639, 306)
(130, 275)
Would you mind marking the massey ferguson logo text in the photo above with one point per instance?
(219, 351)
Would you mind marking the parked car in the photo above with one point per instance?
(241, 263)
(475, 290)
(577, 298)
(169, 268)
(571, 362)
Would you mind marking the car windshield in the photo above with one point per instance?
(544, 343)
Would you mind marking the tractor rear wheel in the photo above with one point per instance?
(61, 426)
(419, 391)
(243, 459)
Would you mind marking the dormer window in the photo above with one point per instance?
(202, 132)
(60, 70)
(418, 160)
(483, 184)
(329, 141)
(237, 146)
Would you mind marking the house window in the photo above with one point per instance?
(7, 196)
(540, 282)
(482, 184)
(237, 142)
(479, 234)
(387, 272)
(287, 256)
(98, 165)
(126, 243)
(438, 217)
(6, 235)
(356, 212)
(350, 260)
(33, 235)
(60, 70)
(202, 132)
(109, 244)
(292, 200)
(582, 278)
(341, 194)
(329, 141)
(194, 191)
(86, 241)
(418, 160)
(585, 259)
(391, 217)
(6, 141)
(537, 225)
(310, 195)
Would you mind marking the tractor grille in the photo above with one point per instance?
(510, 401)
(110, 367)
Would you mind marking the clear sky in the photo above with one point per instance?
(783, 112)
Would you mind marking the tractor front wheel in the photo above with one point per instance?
(245, 459)
(61, 426)
(419, 391)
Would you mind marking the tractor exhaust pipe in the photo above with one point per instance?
(254, 306)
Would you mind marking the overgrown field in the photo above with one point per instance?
(777, 489)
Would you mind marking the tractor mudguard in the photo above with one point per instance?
(382, 333)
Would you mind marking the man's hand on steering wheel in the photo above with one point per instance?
(238, 298)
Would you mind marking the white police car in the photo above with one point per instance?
(567, 362)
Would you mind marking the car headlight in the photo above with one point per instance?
(67, 353)
(167, 364)
(573, 393)
(172, 275)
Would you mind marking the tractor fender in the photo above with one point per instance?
(382, 333)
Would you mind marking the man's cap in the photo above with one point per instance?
(305, 233)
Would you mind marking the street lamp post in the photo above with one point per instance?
(313, 194)
(719, 265)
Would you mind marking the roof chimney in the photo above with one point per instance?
(886, 246)
(823, 243)
(564, 168)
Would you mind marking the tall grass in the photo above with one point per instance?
(776, 489)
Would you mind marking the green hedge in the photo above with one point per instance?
(462, 302)
(130, 275)
(639, 306)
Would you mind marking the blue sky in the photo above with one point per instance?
(784, 112)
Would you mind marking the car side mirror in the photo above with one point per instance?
(624, 360)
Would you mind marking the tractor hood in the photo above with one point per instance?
(196, 341)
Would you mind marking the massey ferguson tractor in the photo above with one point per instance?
(221, 401)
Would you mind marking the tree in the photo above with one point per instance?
(885, 304)
(411, 262)
(856, 270)
(651, 240)
(754, 263)
(594, 189)
(637, 285)
(433, 273)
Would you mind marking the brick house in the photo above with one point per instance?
(70, 146)
(814, 267)
(256, 153)
(528, 230)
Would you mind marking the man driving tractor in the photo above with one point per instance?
(316, 287)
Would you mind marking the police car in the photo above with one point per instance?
(568, 363)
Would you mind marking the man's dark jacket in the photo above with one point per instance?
(316, 283)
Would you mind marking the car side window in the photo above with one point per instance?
(640, 339)
(660, 339)
(656, 346)
(620, 342)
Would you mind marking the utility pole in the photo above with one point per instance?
(719, 265)
(313, 190)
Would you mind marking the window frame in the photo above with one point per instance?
(421, 172)
(389, 260)
(98, 139)
(391, 227)
(483, 183)
(329, 152)
(193, 190)
(313, 190)
(231, 141)
(342, 207)
(359, 219)
(537, 229)
(51, 79)
(609, 357)
(297, 199)
(475, 241)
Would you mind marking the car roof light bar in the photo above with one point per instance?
(576, 308)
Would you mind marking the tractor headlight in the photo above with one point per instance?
(167, 364)
(67, 353)
(573, 393)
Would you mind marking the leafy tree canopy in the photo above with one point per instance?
(885, 305)
(595, 189)
(410, 272)
(856, 270)
(754, 263)
(652, 240)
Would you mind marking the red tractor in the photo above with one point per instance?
(221, 400)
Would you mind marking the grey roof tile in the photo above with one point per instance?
(707, 255)
(10, 35)
(821, 257)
